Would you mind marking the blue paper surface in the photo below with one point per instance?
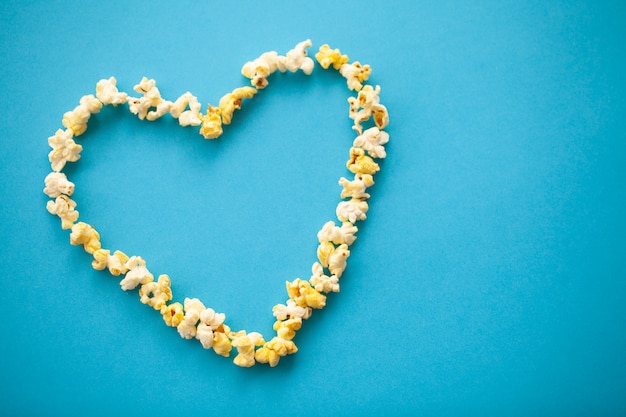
(488, 279)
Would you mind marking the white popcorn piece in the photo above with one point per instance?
(261, 68)
(322, 282)
(338, 235)
(372, 140)
(355, 74)
(151, 99)
(186, 117)
(63, 207)
(210, 321)
(297, 58)
(107, 92)
(57, 184)
(64, 149)
(187, 327)
(291, 310)
(366, 105)
(356, 188)
(137, 273)
(352, 210)
(337, 261)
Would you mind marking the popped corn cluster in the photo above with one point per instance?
(192, 319)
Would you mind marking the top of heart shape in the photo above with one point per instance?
(192, 319)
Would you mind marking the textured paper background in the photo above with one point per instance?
(489, 278)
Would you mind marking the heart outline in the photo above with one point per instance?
(194, 320)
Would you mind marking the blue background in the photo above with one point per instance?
(489, 278)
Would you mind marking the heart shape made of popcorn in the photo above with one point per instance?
(192, 318)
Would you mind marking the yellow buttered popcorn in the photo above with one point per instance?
(304, 295)
(116, 263)
(172, 314)
(286, 329)
(274, 349)
(327, 57)
(338, 260)
(211, 123)
(359, 163)
(85, 235)
(324, 250)
(156, 293)
(232, 101)
(245, 345)
(221, 341)
(76, 120)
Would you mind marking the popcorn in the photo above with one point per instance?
(172, 314)
(156, 294)
(57, 184)
(107, 92)
(63, 207)
(332, 259)
(352, 210)
(245, 344)
(84, 234)
(287, 329)
(232, 101)
(338, 260)
(209, 321)
(262, 67)
(189, 117)
(365, 105)
(324, 250)
(211, 123)
(137, 273)
(372, 140)
(327, 57)
(76, 120)
(187, 327)
(304, 295)
(356, 188)
(151, 99)
(355, 74)
(116, 262)
(297, 58)
(274, 349)
(291, 310)
(338, 235)
(221, 342)
(359, 163)
(321, 282)
(64, 149)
